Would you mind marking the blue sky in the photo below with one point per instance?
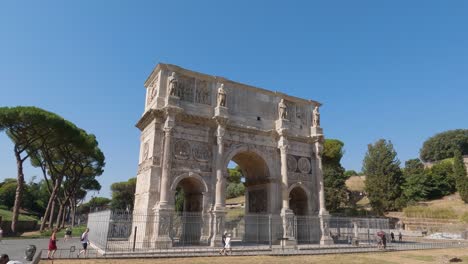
(383, 69)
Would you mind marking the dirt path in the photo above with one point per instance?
(439, 256)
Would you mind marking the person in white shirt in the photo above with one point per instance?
(227, 247)
(84, 243)
(4, 259)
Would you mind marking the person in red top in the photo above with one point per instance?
(52, 245)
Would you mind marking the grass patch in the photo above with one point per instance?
(421, 257)
(429, 212)
(7, 215)
(76, 232)
(240, 199)
(464, 217)
(235, 212)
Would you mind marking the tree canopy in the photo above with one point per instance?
(57, 146)
(336, 195)
(383, 176)
(461, 176)
(444, 145)
(123, 195)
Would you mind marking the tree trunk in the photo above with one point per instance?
(49, 204)
(64, 215)
(59, 215)
(19, 191)
(73, 213)
(51, 216)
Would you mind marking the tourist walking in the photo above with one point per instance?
(84, 242)
(52, 245)
(400, 237)
(393, 236)
(68, 233)
(223, 241)
(227, 246)
(384, 241)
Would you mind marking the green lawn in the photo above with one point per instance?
(240, 199)
(7, 216)
(76, 232)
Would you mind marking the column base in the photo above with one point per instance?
(162, 226)
(287, 216)
(324, 226)
(219, 215)
(326, 240)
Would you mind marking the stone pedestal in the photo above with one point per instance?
(162, 227)
(282, 124)
(219, 216)
(172, 101)
(221, 111)
(316, 131)
(288, 220)
(325, 239)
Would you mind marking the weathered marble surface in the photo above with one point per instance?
(194, 124)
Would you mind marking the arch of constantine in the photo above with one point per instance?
(193, 125)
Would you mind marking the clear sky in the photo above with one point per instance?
(383, 69)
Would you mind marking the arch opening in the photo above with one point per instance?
(298, 201)
(188, 221)
(255, 178)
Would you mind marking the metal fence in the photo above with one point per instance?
(133, 235)
(133, 232)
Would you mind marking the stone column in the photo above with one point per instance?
(166, 164)
(164, 209)
(220, 182)
(219, 210)
(287, 215)
(283, 146)
(323, 213)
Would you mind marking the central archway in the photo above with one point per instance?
(256, 174)
(251, 225)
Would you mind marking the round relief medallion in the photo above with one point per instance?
(304, 165)
(201, 153)
(182, 149)
(292, 163)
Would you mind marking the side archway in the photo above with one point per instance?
(299, 199)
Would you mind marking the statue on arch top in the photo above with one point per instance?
(316, 117)
(221, 96)
(173, 84)
(282, 110)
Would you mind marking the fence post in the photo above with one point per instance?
(269, 230)
(368, 234)
(134, 238)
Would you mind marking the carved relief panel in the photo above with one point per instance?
(152, 90)
(191, 156)
(299, 168)
(202, 92)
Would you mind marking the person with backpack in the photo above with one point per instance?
(84, 242)
(68, 234)
(223, 241)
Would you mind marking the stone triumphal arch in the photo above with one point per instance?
(194, 124)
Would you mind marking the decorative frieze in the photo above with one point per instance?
(298, 164)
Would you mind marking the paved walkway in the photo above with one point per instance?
(15, 247)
